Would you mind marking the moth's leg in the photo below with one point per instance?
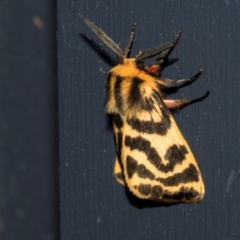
(118, 172)
(156, 68)
(169, 83)
(178, 103)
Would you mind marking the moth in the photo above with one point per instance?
(153, 159)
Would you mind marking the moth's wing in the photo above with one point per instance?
(118, 172)
(155, 158)
(118, 167)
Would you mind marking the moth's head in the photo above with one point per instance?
(123, 55)
(131, 62)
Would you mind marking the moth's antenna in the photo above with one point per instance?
(130, 42)
(103, 36)
(158, 49)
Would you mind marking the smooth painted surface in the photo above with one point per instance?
(28, 121)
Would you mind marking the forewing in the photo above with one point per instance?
(155, 158)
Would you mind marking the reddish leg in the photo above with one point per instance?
(178, 103)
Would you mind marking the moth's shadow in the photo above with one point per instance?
(101, 53)
(143, 203)
(108, 60)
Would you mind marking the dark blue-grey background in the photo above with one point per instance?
(93, 205)
(29, 202)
